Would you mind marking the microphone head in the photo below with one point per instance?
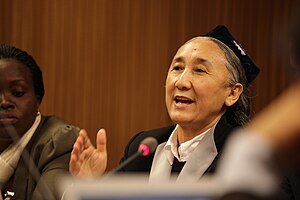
(148, 146)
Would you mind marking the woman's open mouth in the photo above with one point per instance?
(183, 100)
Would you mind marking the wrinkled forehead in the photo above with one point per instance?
(201, 48)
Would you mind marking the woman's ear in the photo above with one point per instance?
(234, 94)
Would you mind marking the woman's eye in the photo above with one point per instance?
(18, 93)
(200, 70)
(177, 68)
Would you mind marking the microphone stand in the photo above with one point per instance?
(123, 164)
(129, 160)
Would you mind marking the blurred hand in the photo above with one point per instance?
(87, 161)
(279, 123)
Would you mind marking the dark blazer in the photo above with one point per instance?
(143, 164)
(291, 186)
(49, 148)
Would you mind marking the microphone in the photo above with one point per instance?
(146, 147)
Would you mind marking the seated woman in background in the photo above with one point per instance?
(34, 149)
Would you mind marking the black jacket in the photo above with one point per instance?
(143, 164)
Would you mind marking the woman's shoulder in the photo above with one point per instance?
(54, 129)
(56, 125)
(52, 140)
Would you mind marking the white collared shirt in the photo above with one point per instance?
(198, 153)
(183, 152)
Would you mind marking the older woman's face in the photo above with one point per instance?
(19, 104)
(197, 84)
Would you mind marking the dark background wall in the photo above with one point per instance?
(105, 61)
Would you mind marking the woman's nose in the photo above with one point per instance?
(5, 103)
(184, 80)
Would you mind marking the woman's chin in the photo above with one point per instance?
(181, 119)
